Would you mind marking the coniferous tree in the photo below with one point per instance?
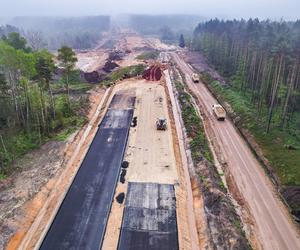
(261, 59)
(181, 41)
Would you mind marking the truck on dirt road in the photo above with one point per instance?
(195, 78)
(219, 112)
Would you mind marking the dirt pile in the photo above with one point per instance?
(116, 55)
(86, 76)
(154, 73)
(109, 66)
(91, 77)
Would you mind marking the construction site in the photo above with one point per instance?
(131, 178)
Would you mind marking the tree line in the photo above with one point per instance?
(54, 32)
(262, 60)
(167, 27)
(29, 111)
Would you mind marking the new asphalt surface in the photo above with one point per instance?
(81, 220)
(149, 220)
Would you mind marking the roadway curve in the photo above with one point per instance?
(81, 220)
(275, 230)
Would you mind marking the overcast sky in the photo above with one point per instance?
(274, 9)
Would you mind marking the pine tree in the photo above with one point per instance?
(181, 41)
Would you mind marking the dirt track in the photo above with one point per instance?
(273, 228)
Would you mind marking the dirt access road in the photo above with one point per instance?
(273, 227)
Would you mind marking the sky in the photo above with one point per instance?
(273, 9)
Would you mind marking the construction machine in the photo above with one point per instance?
(219, 112)
(161, 124)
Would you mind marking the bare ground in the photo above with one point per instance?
(92, 60)
(35, 169)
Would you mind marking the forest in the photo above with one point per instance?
(53, 32)
(167, 27)
(34, 107)
(261, 62)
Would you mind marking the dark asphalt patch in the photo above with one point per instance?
(126, 100)
(81, 220)
(149, 220)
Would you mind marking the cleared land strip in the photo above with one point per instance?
(81, 219)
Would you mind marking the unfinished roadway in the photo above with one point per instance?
(81, 220)
(272, 227)
(154, 211)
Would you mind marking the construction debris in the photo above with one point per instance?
(134, 122)
(110, 66)
(122, 177)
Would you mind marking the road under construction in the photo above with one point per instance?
(132, 188)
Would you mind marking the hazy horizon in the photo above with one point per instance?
(226, 9)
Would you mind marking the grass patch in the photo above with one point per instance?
(237, 224)
(16, 145)
(276, 145)
(126, 72)
(78, 87)
(82, 86)
(195, 131)
(148, 55)
(71, 125)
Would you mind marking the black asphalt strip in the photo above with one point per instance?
(149, 220)
(81, 219)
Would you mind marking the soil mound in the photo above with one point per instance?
(154, 73)
(110, 66)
